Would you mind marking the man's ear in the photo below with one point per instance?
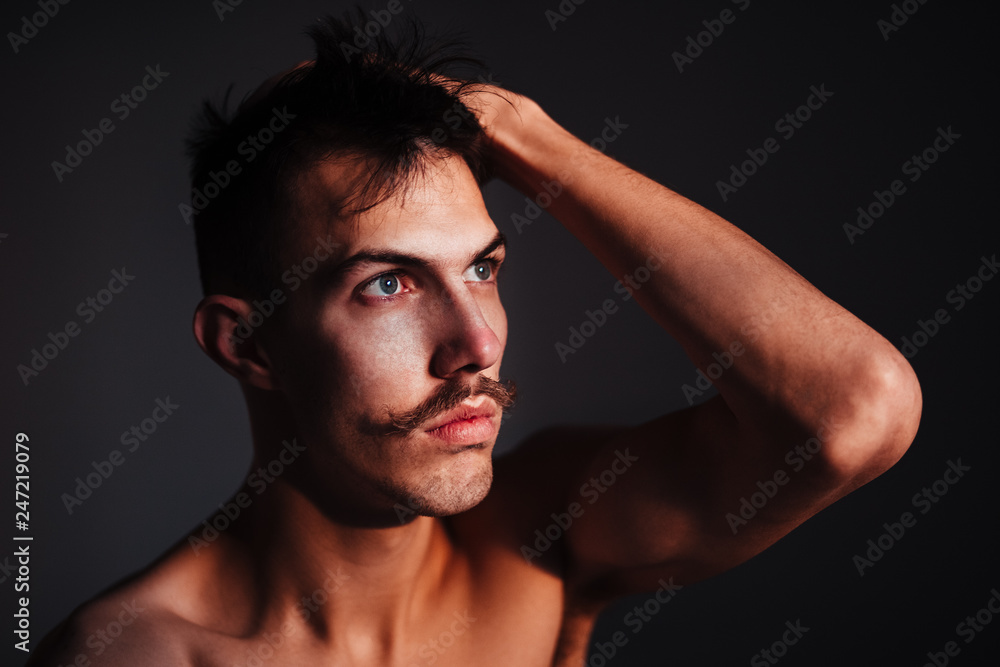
(219, 322)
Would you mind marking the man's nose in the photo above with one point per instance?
(466, 343)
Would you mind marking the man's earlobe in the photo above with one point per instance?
(222, 332)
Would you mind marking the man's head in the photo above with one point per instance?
(383, 105)
(350, 278)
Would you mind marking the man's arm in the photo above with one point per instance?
(814, 371)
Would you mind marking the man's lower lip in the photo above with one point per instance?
(464, 431)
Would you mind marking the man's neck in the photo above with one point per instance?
(360, 591)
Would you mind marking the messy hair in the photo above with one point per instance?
(392, 101)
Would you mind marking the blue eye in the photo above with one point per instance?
(481, 271)
(388, 284)
(385, 285)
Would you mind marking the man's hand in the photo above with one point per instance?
(505, 117)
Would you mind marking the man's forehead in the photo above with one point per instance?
(440, 207)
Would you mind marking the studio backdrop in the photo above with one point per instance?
(857, 141)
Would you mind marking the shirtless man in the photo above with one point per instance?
(386, 537)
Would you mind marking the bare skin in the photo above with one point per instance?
(329, 565)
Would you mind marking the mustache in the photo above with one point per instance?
(447, 397)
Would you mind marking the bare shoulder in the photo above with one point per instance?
(141, 620)
(126, 627)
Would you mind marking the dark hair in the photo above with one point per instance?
(377, 98)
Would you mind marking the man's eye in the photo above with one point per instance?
(480, 271)
(387, 284)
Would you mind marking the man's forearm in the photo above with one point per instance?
(814, 359)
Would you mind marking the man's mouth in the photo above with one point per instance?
(471, 423)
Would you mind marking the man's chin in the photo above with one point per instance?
(440, 497)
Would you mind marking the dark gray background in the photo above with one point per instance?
(608, 59)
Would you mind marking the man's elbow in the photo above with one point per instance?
(882, 419)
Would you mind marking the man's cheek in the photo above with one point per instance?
(357, 386)
(385, 377)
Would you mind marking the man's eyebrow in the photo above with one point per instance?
(499, 242)
(336, 273)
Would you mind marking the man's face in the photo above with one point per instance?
(406, 311)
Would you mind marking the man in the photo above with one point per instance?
(350, 272)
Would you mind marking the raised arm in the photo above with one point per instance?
(793, 370)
